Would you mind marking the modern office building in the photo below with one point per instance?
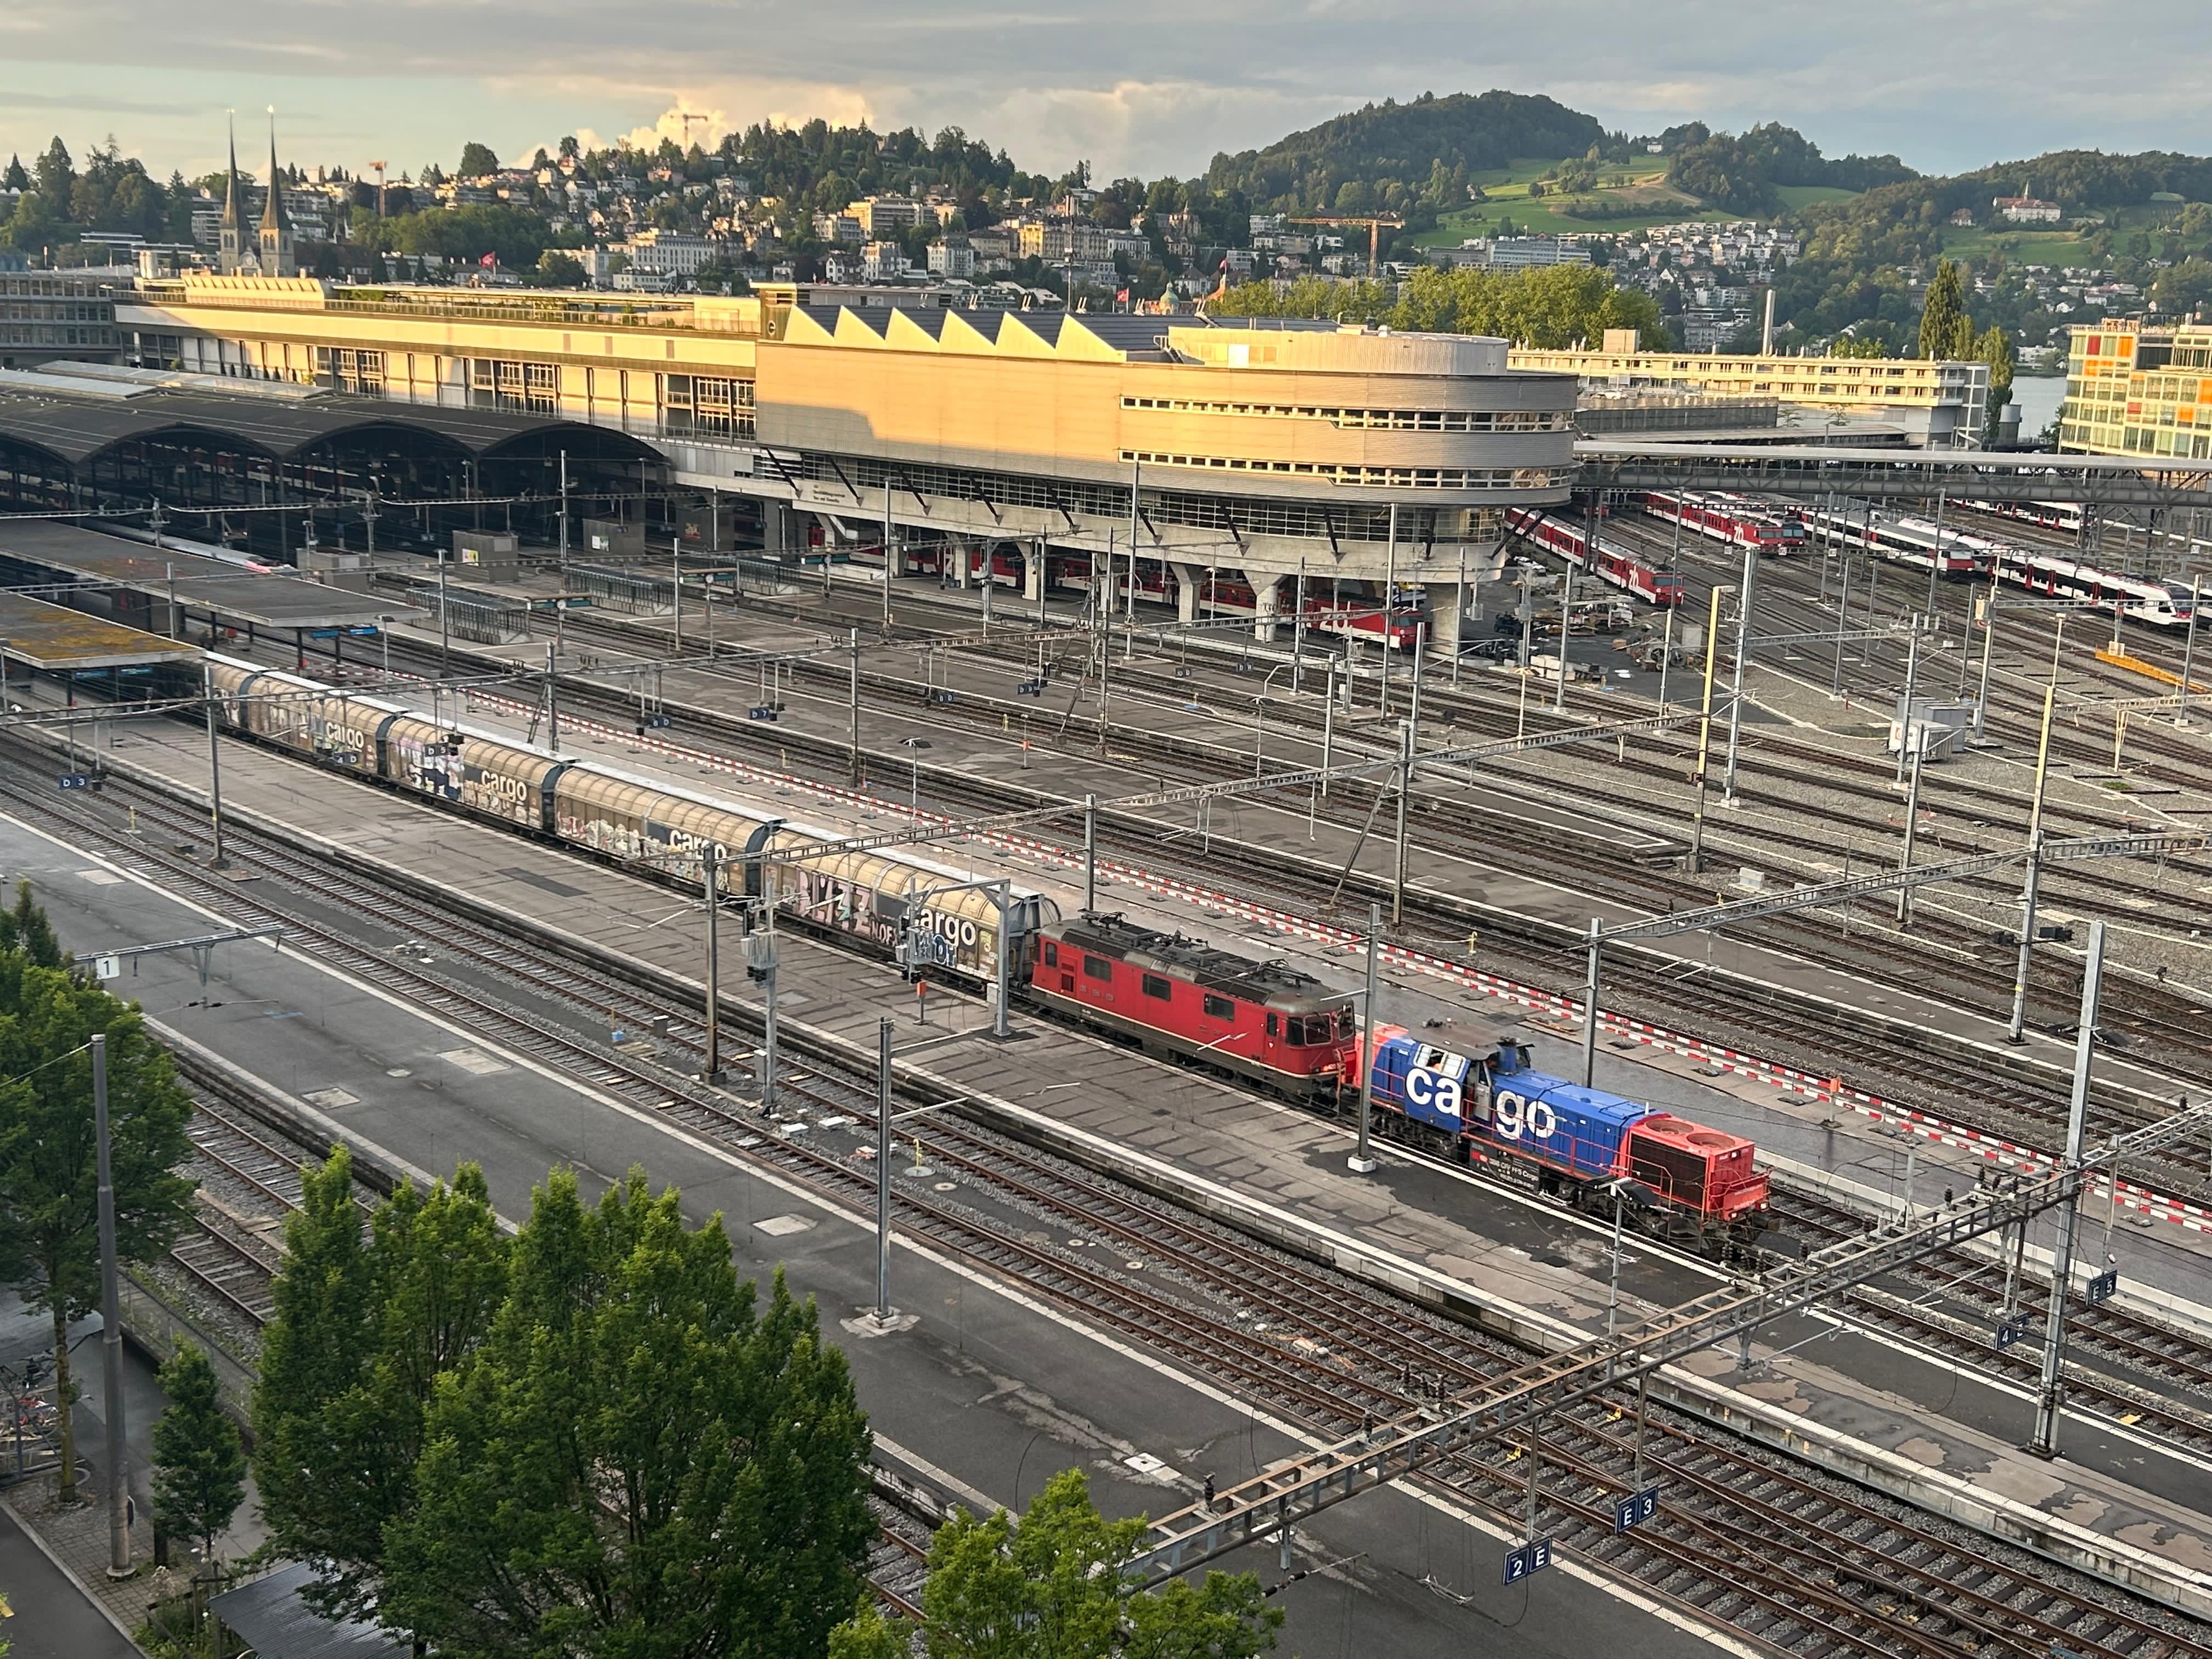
(1943, 404)
(1264, 450)
(50, 316)
(2136, 389)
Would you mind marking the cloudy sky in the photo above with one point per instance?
(1947, 84)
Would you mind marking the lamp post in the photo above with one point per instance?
(914, 747)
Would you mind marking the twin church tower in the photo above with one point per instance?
(273, 253)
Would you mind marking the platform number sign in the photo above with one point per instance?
(2102, 1286)
(1529, 1558)
(1633, 1509)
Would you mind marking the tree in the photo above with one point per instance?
(25, 928)
(363, 1328)
(1994, 347)
(55, 174)
(199, 1465)
(638, 1462)
(1054, 1587)
(1946, 331)
(476, 161)
(49, 1190)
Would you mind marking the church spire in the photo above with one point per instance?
(232, 242)
(272, 211)
(278, 257)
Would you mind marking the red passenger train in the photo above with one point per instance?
(1629, 572)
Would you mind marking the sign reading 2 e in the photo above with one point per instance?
(1514, 1115)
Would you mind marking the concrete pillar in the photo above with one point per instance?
(1266, 605)
(1187, 577)
(1448, 602)
(781, 530)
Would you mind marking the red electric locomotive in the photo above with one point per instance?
(1263, 1021)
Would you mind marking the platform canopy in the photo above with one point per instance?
(56, 640)
(74, 413)
(232, 594)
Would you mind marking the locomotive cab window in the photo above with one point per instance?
(1220, 1008)
(1155, 986)
(1097, 968)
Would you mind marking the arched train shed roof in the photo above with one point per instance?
(75, 423)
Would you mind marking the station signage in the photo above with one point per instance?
(1529, 1559)
(1633, 1509)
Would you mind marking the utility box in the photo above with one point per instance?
(495, 555)
(606, 539)
(1937, 730)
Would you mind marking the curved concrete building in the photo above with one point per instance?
(1259, 451)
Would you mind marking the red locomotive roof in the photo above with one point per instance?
(1696, 1137)
(1276, 984)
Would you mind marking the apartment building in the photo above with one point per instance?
(2137, 389)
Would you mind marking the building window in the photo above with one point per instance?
(526, 388)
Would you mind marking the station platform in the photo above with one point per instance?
(149, 579)
(984, 1398)
(2120, 1504)
(55, 639)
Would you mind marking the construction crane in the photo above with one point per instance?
(1374, 224)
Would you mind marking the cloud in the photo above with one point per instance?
(1157, 89)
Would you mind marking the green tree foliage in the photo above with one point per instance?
(1946, 331)
(1549, 306)
(25, 928)
(515, 236)
(1053, 1587)
(1726, 172)
(1994, 347)
(364, 1326)
(199, 1464)
(477, 160)
(49, 1192)
(639, 1462)
(1404, 154)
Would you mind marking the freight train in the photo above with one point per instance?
(874, 898)
(1281, 1029)
(1264, 1022)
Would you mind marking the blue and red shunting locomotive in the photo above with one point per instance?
(1678, 1176)
(1274, 1025)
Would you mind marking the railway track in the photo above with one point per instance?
(1798, 1561)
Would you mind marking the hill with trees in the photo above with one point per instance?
(1405, 159)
